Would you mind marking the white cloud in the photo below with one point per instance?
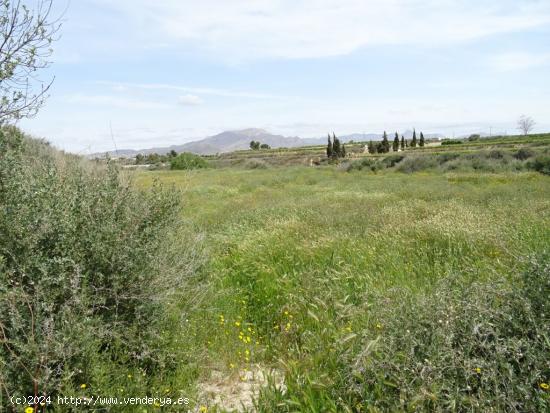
(517, 61)
(242, 29)
(114, 101)
(190, 100)
(197, 90)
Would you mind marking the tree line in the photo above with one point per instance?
(154, 158)
(335, 149)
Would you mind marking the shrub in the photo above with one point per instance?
(446, 157)
(460, 348)
(392, 160)
(523, 154)
(87, 272)
(416, 164)
(365, 163)
(188, 160)
(451, 142)
(495, 154)
(255, 164)
(540, 164)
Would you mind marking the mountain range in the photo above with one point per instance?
(230, 141)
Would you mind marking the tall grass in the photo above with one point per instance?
(377, 292)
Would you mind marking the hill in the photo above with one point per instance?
(230, 141)
(227, 141)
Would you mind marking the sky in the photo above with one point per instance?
(148, 73)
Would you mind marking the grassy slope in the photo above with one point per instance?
(294, 251)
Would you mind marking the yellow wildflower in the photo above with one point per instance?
(478, 370)
(83, 386)
(238, 323)
(544, 386)
(203, 409)
(29, 409)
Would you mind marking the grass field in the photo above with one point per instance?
(350, 285)
(414, 282)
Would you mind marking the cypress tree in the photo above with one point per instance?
(343, 155)
(413, 142)
(336, 151)
(329, 147)
(385, 143)
(396, 142)
(371, 147)
(402, 143)
(422, 139)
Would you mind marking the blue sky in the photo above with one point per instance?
(171, 71)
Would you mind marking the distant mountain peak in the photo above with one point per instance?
(251, 132)
(235, 140)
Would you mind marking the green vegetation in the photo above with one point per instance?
(91, 278)
(412, 281)
(154, 158)
(335, 149)
(188, 160)
(255, 145)
(452, 142)
(414, 141)
(386, 292)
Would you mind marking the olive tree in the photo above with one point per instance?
(26, 36)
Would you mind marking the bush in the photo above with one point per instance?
(451, 142)
(540, 164)
(447, 157)
(188, 160)
(476, 348)
(417, 163)
(495, 154)
(462, 346)
(255, 164)
(392, 160)
(88, 270)
(523, 154)
(365, 163)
